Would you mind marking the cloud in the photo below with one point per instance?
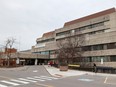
(29, 19)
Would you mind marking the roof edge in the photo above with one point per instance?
(108, 11)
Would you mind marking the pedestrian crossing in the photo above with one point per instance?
(26, 80)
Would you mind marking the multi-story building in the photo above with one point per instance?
(46, 45)
(99, 30)
(4, 56)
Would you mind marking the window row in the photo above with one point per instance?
(90, 33)
(63, 33)
(99, 47)
(97, 32)
(91, 26)
(47, 40)
(50, 52)
(83, 28)
(100, 59)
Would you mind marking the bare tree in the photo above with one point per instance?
(8, 48)
(70, 49)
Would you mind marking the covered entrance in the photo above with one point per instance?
(36, 61)
(29, 61)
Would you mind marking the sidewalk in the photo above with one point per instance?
(57, 73)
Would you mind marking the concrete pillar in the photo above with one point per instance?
(36, 61)
(17, 61)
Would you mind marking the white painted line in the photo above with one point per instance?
(3, 85)
(27, 80)
(35, 71)
(12, 83)
(86, 80)
(35, 79)
(111, 83)
(49, 77)
(106, 79)
(42, 78)
(20, 81)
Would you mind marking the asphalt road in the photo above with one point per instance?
(37, 76)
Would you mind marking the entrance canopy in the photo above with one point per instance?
(27, 55)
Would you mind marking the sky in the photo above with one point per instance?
(27, 20)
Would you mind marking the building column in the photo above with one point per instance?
(17, 61)
(36, 61)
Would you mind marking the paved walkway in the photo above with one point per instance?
(57, 73)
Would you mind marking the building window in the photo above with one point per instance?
(113, 58)
(82, 28)
(45, 52)
(91, 33)
(87, 59)
(98, 58)
(47, 40)
(52, 52)
(77, 30)
(111, 45)
(97, 47)
(63, 33)
(73, 31)
(86, 48)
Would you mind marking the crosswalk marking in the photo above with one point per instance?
(35, 79)
(27, 80)
(3, 85)
(19, 81)
(49, 77)
(42, 78)
(8, 82)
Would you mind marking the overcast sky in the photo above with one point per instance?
(27, 20)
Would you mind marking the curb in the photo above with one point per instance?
(47, 70)
(86, 73)
(54, 75)
(58, 75)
